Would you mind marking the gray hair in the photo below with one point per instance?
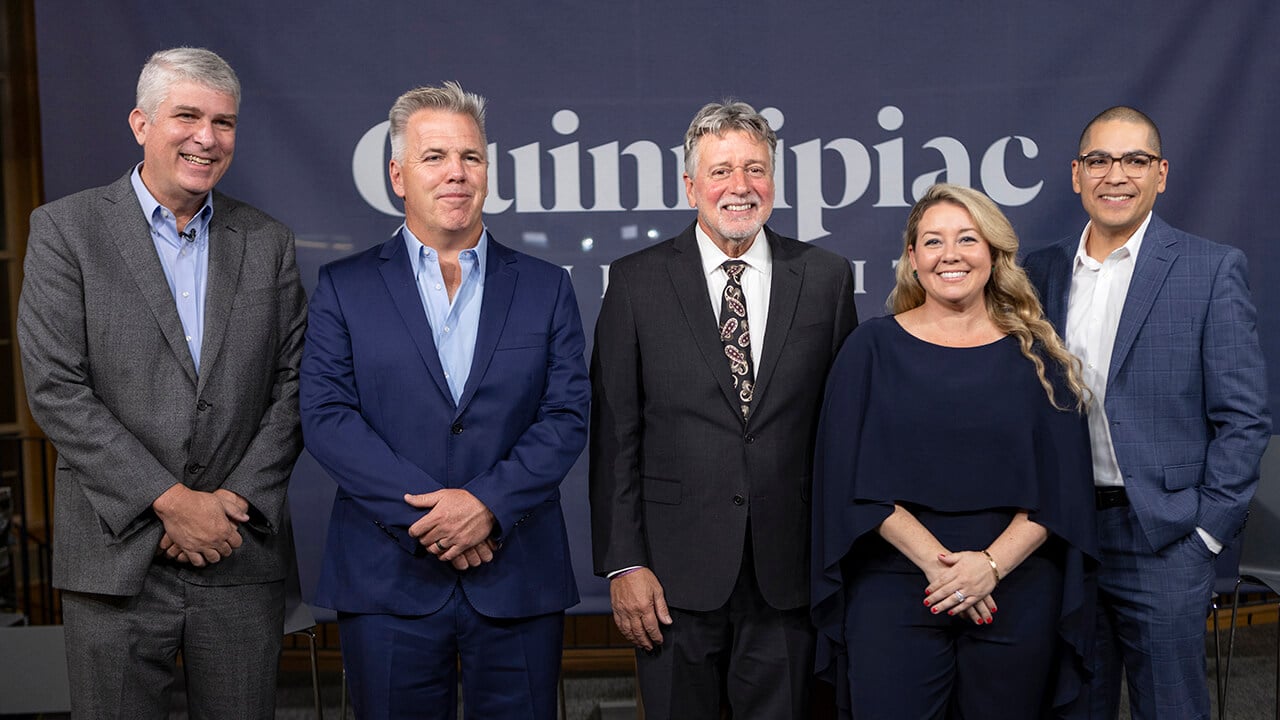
(449, 97)
(183, 64)
(718, 118)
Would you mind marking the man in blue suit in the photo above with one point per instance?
(1164, 327)
(444, 388)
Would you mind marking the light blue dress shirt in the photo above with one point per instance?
(185, 259)
(454, 325)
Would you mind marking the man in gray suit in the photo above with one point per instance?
(161, 328)
(711, 353)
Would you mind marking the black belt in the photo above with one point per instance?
(1110, 497)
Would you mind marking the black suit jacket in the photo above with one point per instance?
(675, 473)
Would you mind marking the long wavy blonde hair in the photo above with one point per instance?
(1011, 302)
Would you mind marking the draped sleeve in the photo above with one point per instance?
(1064, 474)
(839, 518)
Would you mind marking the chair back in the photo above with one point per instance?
(1226, 569)
(297, 614)
(311, 492)
(33, 670)
(1260, 540)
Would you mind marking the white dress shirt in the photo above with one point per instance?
(1098, 292)
(756, 281)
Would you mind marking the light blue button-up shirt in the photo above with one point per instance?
(454, 325)
(185, 261)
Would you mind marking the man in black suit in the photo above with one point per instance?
(710, 356)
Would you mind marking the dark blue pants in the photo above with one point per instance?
(906, 662)
(1151, 614)
(407, 667)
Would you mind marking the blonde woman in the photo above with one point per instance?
(953, 498)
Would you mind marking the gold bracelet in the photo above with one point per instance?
(995, 569)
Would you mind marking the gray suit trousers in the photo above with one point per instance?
(125, 646)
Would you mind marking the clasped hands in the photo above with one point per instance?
(961, 582)
(456, 528)
(200, 528)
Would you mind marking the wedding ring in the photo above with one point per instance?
(440, 547)
(959, 595)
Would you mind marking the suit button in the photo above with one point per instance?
(750, 439)
(195, 468)
(203, 405)
(456, 429)
(738, 499)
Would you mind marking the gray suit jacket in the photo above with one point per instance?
(111, 382)
(675, 473)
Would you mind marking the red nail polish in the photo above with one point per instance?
(934, 611)
(990, 620)
(951, 612)
(994, 609)
(926, 602)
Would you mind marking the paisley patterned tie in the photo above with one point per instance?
(736, 335)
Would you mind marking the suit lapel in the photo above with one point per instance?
(1155, 258)
(397, 274)
(131, 233)
(499, 287)
(784, 294)
(690, 287)
(226, 255)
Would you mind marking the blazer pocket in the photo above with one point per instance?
(522, 340)
(666, 492)
(1180, 477)
(804, 332)
(253, 297)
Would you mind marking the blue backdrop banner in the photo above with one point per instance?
(589, 101)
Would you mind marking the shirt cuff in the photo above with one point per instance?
(1210, 541)
(623, 571)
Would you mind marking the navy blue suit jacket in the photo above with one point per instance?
(378, 415)
(1186, 393)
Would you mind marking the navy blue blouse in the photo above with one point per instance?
(952, 430)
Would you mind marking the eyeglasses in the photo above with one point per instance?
(1134, 164)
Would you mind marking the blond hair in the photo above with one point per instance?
(1011, 302)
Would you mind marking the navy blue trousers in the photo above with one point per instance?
(1151, 614)
(906, 662)
(407, 667)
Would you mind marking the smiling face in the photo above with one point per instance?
(1117, 204)
(951, 258)
(187, 146)
(443, 177)
(732, 188)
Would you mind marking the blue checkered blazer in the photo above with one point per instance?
(1187, 390)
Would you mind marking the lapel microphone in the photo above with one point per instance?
(189, 235)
